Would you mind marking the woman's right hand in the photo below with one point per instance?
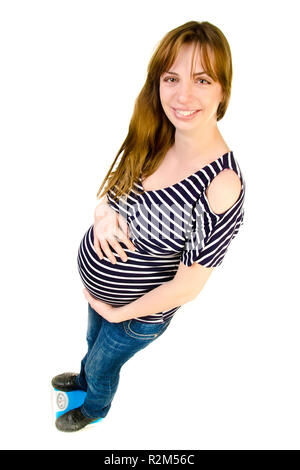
(109, 224)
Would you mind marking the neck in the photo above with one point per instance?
(204, 145)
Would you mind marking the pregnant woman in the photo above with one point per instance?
(167, 215)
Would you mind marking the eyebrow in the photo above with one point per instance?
(195, 74)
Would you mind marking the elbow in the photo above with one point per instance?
(184, 293)
(192, 296)
(186, 298)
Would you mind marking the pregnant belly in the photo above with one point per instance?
(123, 282)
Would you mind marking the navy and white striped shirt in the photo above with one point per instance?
(166, 226)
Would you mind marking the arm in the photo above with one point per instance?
(188, 281)
(185, 286)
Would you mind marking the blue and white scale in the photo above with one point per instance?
(66, 401)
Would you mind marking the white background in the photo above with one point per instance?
(225, 375)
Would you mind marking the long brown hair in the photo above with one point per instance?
(150, 133)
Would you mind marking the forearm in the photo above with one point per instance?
(163, 297)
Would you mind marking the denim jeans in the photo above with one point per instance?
(110, 345)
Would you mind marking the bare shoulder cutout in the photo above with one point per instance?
(223, 191)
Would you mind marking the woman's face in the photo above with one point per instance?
(179, 93)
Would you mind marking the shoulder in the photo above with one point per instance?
(224, 190)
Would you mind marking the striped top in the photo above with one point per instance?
(167, 226)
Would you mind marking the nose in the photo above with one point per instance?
(184, 92)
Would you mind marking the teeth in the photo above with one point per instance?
(185, 113)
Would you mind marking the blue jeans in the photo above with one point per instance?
(110, 345)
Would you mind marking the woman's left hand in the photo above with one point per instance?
(106, 311)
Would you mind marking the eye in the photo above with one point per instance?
(172, 78)
(169, 78)
(203, 79)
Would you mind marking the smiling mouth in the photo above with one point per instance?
(185, 113)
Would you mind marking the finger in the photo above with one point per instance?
(85, 291)
(106, 249)
(124, 226)
(90, 299)
(97, 247)
(117, 247)
(129, 244)
(87, 295)
(122, 238)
